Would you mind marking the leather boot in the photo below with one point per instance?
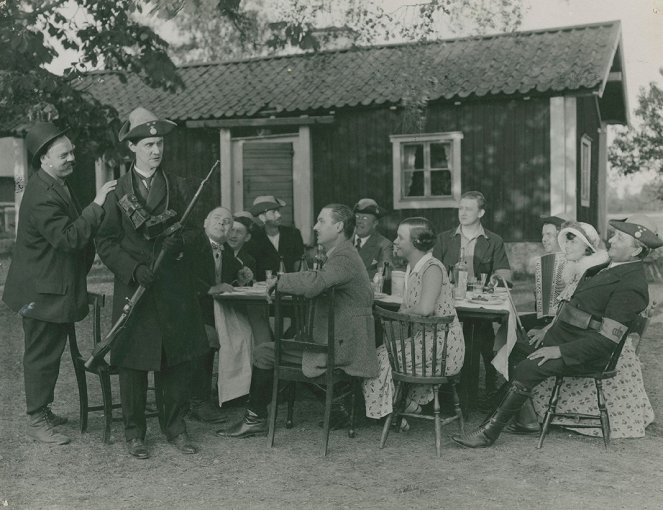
(525, 421)
(490, 430)
(250, 425)
(53, 419)
(40, 430)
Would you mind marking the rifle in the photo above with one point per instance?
(102, 348)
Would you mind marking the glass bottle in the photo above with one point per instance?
(386, 278)
(303, 263)
(378, 279)
(319, 258)
(281, 267)
(460, 276)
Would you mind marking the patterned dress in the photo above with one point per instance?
(379, 391)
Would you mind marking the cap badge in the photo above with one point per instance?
(153, 130)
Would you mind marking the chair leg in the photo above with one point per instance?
(107, 399)
(458, 410)
(603, 413)
(82, 393)
(436, 419)
(273, 409)
(329, 396)
(390, 417)
(552, 407)
(353, 408)
(291, 404)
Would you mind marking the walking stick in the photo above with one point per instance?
(102, 348)
(520, 330)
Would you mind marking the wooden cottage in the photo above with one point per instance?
(521, 117)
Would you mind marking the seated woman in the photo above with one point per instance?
(427, 292)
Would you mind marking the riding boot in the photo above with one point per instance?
(490, 429)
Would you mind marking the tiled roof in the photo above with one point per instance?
(550, 61)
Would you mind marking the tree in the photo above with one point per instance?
(641, 148)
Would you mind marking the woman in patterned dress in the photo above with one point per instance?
(427, 293)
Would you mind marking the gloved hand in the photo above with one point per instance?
(173, 244)
(144, 275)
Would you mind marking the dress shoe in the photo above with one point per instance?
(40, 430)
(183, 443)
(53, 419)
(206, 412)
(137, 448)
(250, 425)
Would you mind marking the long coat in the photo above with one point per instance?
(489, 252)
(167, 320)
(53, 254)
(291, 248)
(619, 294)
(353, 312)
(376, 251)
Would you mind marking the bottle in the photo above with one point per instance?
(460, 276)
(378, 279)
(386, 278)
(303, 263)
(319, 258)
(281, 268)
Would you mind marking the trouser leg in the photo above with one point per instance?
(262, 376)
(133, 394)
(201, 377)
(44, 344)
(175, 391)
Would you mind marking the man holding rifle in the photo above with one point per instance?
(165, 331)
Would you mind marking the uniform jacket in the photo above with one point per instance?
(167, 319)
(619, 293)
(489, 252)
(53, 254)
(376, 251)
(353, 300)
(291, 248)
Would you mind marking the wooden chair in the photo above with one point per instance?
(594, 421)
(302, 312)
(402, 333)
(638, 336)
(102, 370)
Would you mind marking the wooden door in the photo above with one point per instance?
(267, 170)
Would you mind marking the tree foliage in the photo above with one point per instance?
(641, 147)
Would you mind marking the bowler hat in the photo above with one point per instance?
(369, 206)
(38, 138)
(266, 203)
(143, 123)
(640, 227)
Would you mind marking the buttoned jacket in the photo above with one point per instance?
(375, 252)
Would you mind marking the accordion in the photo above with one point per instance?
(548, 283)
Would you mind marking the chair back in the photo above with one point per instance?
(96, 302)
(412, 345)
(638, 327)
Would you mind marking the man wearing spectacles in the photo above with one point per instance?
(374, 249)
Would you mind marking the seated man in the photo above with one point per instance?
(239, 235)
(355, 335)
(587, 328)
(374, 249)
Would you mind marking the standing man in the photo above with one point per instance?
(274, 242)
(374, 249)
(46, 283)
(484, 253)
(587, 329)
(165, 331)
(355, 337)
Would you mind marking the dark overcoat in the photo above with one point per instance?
(489, 252)
(619, 293)
(53, 253)
(353, 312)
(167, 321)
(291, 249)
(375, 252)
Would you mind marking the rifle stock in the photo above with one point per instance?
(102, 348)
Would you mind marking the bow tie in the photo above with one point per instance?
(216, 246)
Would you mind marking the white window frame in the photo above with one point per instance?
(585, 171)
(397, 142)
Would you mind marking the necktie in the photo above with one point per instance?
(217, 249)
(358, 243)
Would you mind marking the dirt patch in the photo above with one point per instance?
(570, 471)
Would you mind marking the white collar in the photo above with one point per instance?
(146, 175)
(615, 264)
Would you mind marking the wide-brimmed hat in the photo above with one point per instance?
(583, 231)
(369, 206)
(266, 203)
(143, 123)
(640, 227)
(245, 218)
(38, 138)
(558, 221)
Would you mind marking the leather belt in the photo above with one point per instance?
(578, 318)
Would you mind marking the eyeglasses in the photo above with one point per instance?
(363, 217)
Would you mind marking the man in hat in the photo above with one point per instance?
(588, 328)
(165, 332)
(240, 234)
(273, 243)
(46, 283)
(374, 249)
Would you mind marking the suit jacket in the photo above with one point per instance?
(53, 254)
(376, 251)
(291, 249)
(619, 293)
(168, 318)
(353, 302)
(489, 252)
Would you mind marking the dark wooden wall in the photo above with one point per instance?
(588, 124)
(505, 155)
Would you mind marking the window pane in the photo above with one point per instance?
(412, 157)
(439, 155)
(440, 183)
(413, 184)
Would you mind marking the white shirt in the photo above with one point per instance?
(615, 264)
(362, 241)
(274, 240)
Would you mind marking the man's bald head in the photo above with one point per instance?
(218, 223)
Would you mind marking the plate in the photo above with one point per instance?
(487, 301)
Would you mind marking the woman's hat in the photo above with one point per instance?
(143, 123)
(38, 138)
(368, 206)
(266, 203)
(640, 227)
(583, 231)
